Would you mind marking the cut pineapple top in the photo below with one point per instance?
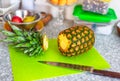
(31, 43)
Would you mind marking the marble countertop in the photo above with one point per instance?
(107, 45)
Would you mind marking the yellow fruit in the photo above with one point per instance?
(55, 2)
(62, 2)
(29, 19)
(75, 40)
(70, 2)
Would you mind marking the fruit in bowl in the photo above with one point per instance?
(16, 19)
(28, 19)
(23, 19)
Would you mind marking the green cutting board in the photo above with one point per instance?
(27, 68)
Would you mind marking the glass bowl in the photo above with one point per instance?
(22, 14)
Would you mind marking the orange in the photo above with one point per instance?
(62, 2)
(39, 26)
(7, 27)
(70, 2)
(55, 2)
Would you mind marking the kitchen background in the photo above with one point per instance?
(42, 5)
(108, 46)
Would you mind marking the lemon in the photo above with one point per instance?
(29, 19)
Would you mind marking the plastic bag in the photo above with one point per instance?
(97, 6)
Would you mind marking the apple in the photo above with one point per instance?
(16, 19)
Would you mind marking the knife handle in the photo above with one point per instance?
(106, 73)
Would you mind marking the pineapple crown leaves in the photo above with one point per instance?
(30, 42)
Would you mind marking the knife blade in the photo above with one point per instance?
(89, 69)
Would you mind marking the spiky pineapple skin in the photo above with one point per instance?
(78, 39)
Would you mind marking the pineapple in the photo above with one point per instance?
(32, 43)
(75, 40)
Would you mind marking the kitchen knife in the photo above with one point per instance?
(84, 68)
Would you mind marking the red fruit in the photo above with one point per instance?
(16, 19)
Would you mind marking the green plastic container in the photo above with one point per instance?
(93, 17)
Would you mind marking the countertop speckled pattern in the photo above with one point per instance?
(108, 46)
